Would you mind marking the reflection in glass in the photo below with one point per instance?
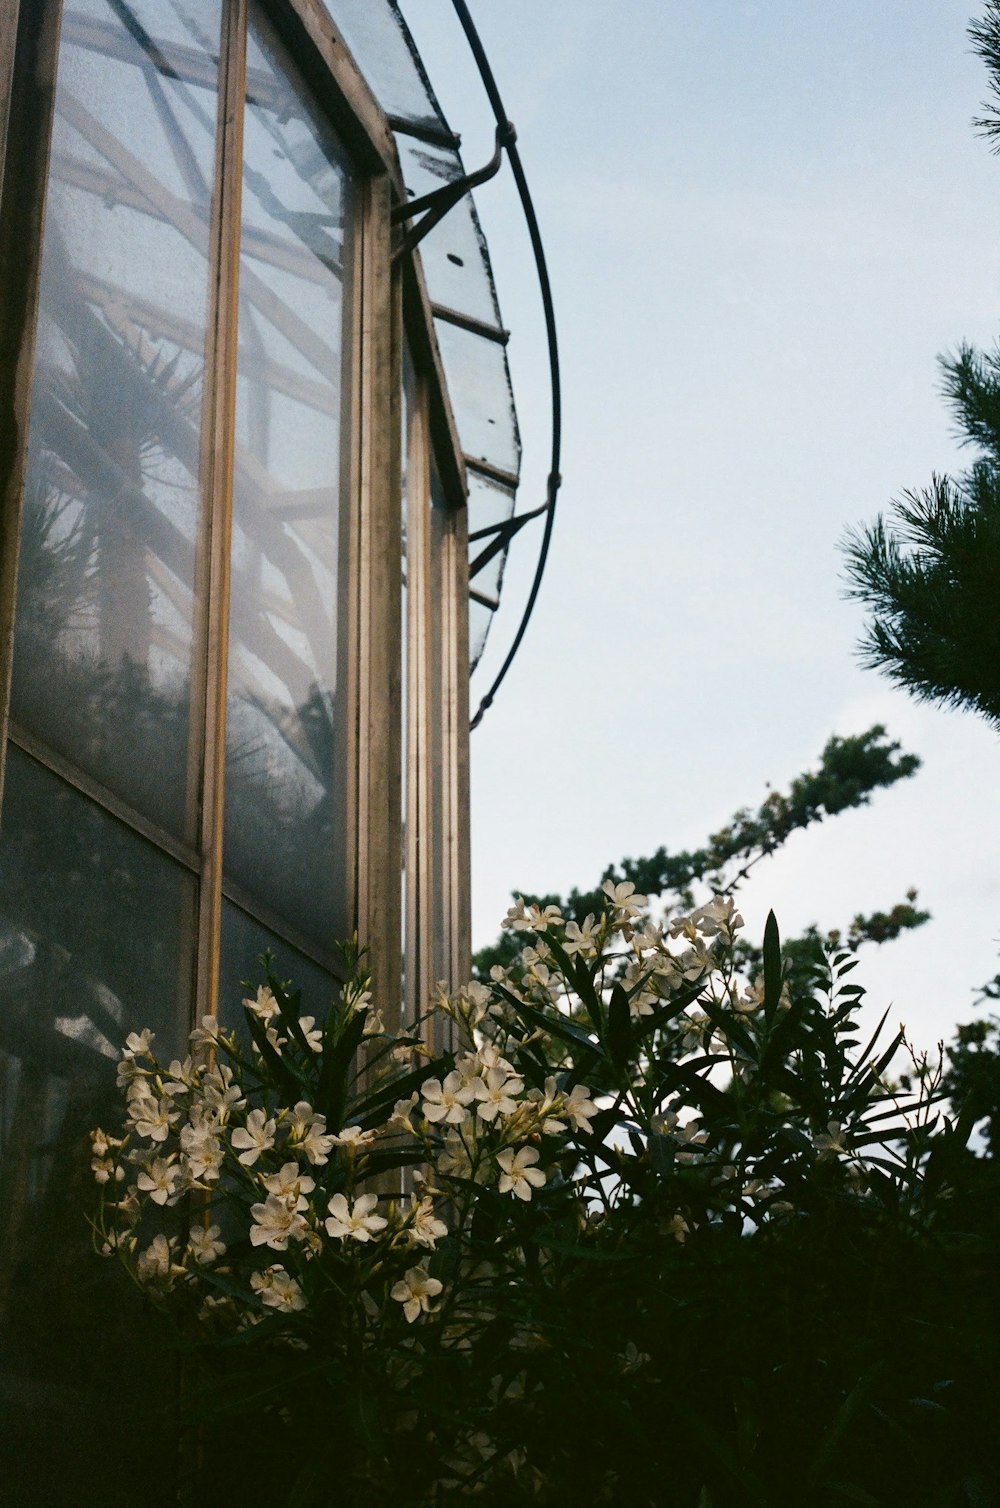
(108, 611)
(94, 943)
(284, 783)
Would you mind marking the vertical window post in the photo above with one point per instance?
(29, 46)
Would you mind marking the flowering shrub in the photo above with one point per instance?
(495, 1273)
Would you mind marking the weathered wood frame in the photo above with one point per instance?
(29, 37)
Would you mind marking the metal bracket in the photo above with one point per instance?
(440, 201)
(502, 534)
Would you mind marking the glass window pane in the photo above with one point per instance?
(95, 931)
(284, 818)
(108, 602)
(244, 939)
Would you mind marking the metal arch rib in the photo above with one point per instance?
(527, 205)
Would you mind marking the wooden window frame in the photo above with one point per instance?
(386, 294)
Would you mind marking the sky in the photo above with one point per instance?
(763, 222)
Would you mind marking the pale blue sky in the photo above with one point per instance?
(763, 221)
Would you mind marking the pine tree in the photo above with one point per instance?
(930, 575)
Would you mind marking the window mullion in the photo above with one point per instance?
(217, 469)
(377, 648)
(29, 50)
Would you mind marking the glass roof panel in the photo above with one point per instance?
(490, 502)
(454, 255)
(380, 44)
(458, 274)
(480, 618)
(479, 384)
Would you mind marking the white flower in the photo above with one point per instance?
(476, 997)
(204, 1243)
(271, 1033)
(354, 1138)
(155, 1264)
(516, 919)
(425, 1227)
(206, 1035)
(720, 916)
(104, 1169)
(685, 926)
(221, 1092)
(399, 1120)
(130, 1072)
(290, 1184)
(159, 1180)
(695, 1139)
(415, 1291)
(494, 1094)
(632, 1358)
(454, 1158)
(103, 1166)
(264, 1007)
(579, 1108)
(276, 1222)
(374, 1025)
(312, 1033)
(201, 1144)
(693, 1030)
(518, 1176)
(583, 939)
(356, 1221)
(361, 1002)
(256, 1137)
(138, 1044)
(624, 899)
(547, 1104)
(152, 1118)
(277, 1289)
(180, 1077)
(446, 1102)
(677, 1227)
(307, 1133)
(831, 1143)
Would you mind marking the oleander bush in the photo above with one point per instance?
(655, 1233)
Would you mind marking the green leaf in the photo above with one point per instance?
(556, 1026)
(285, 1075)
(619, 1033)
(331, 1093)
(772, 967)
(573, 1249)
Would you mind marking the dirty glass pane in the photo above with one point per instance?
(108, 612)
(284, 816)
(379, 42)
(479, 384)
(95, 930)
(454, 255)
